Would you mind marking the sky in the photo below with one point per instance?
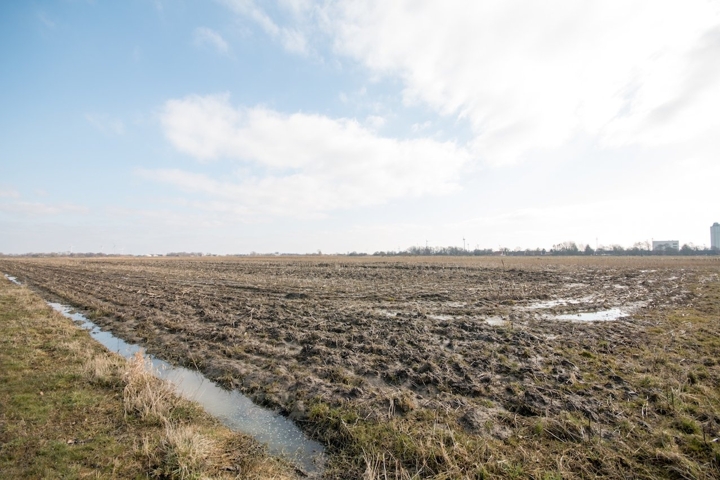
(239, 126)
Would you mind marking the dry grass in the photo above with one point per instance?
(70, 409)
(144, 395)
(185, 451)
(378, 467)
(104, 370)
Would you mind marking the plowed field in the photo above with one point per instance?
(489, 353)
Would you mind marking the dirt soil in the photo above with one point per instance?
(485, 338)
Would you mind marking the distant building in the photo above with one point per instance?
(663, 245)
(715, 236)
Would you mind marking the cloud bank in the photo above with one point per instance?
(299, 164)
(533, 75)
(530, 75)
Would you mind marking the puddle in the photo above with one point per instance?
(560, 302)
(440, 317)
(495, 321)
(599, 316)
(13, 279)
(232, 408)
(610, 314)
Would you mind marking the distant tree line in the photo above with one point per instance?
(561, 249)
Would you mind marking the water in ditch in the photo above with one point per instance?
(232, 408)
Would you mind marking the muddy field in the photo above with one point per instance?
(484, 340)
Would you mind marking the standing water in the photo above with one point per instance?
(232, 408)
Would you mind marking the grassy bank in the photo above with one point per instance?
(70, 409)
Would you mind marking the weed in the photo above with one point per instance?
(686, 425)
(185, 452)
(538, 428)
(104, 370)
(144, 395)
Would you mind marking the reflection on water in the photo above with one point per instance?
(597, 316)
(601, 316)
(234, 409)
(13, 279)
(557, 303)
(495, 321)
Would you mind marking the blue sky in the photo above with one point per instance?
(235, 126)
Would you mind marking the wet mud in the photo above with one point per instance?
(384, 336)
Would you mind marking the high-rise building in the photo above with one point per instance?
(715, 236)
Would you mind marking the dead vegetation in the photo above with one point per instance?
(144, 395)
(424, 368)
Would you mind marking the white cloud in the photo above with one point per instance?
(105, 123)
(203, 36)
(311, 163)
(166, 218)
(375, 122)
(293, 39)
(530, 75)
(417, 127)
(298, 8)
(36, 209)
